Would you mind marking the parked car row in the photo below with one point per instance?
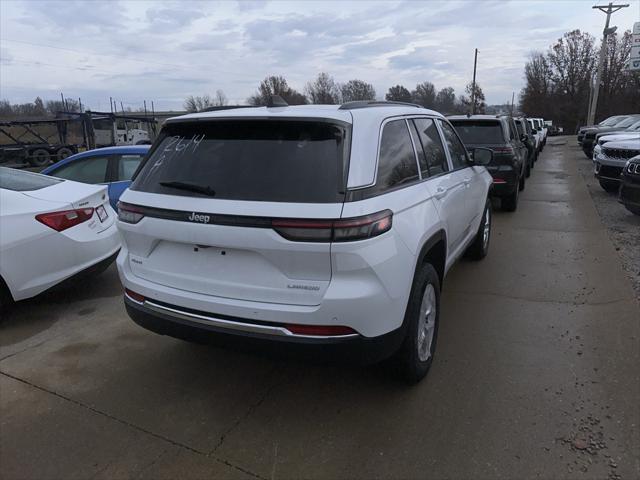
(615, 154)
(587, 136)
(329, 229)
(515, 143)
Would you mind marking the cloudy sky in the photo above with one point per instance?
(166, 50)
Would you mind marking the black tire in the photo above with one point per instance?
(480, 246)
(610, 186)
(63, 153)
(39, 158)
(588, 153)
(412, 367)
(521, 183)
(527, 172)
(6, 300)
(632, 209)
(510, 203)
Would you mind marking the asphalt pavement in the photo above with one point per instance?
(536, 376)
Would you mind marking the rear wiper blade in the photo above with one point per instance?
(191, 187)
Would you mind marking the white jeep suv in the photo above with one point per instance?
(327, 228)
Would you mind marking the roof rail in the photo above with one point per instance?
(375, 103)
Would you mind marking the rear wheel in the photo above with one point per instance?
(527, 172)
(480, 246)
(421, 319)
(510, 203)
(522, 181)
(39, 158)
(6, 300)
(610, 186)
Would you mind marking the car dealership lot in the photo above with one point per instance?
(536, 375)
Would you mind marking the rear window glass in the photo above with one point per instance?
(19, 181)
(257, 160)
(479, 132)
(86, 170)
(397, 159)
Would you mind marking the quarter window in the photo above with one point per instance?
(397, 160)
(456, 148)
(86, 170)
(429, 140)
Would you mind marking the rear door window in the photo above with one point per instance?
(127, 166)
(479, 132)
(86, 170)
(431, 144)
(257, 160)
(457, 151)
(396, 160)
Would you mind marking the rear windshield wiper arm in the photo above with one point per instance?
(190, 187)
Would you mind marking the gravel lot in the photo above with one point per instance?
(622, 225)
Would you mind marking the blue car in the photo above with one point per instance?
(112, 166)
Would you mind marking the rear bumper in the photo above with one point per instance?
(29, 275)
(175, 322)
(505, 181)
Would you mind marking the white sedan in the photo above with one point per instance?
(50, 230)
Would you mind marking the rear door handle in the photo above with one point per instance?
(441, 192)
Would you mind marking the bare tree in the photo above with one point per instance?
(557, 84)
(55, 106)
(276, 85)
(475, 96)
(220, 99)
(198, 104)
(536, 94)
(323, 90)
(355, 90)
(424, 94)
(446, 100)
(398, 93)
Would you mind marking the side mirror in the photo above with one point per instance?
(524, 137)
(534, 131)
(482, 156)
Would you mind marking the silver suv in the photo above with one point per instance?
(326, 228)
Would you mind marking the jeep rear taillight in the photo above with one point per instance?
(503, 150)
(341, 230)
(128, 213)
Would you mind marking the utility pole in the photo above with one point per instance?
(513, 96)
(473, 84)
(608, 9)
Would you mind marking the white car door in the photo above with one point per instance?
(446, 185)
(467, 206)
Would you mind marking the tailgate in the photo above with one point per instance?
(229, 260)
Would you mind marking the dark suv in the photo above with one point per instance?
(500, 134)
(526, 136)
